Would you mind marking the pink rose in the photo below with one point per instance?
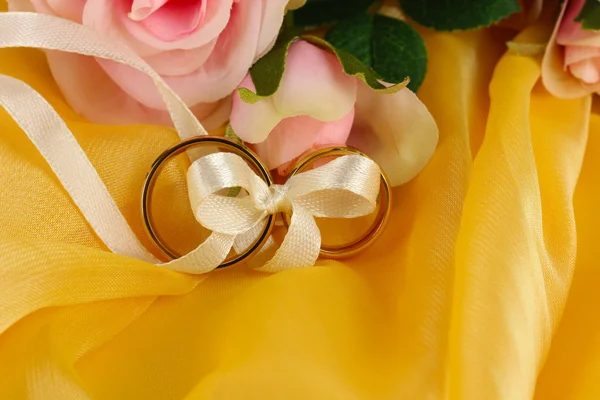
(571, 65)
(202, 48)
(317, 104)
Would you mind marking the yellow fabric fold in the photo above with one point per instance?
(516, 249)
(573, 365)
(460, 298)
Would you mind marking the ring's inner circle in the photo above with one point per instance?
(172, 218)
(176, 232)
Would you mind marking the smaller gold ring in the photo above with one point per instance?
(177, 149)
(383, 211)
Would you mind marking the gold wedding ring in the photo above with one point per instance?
(383, 209)
(202, 141)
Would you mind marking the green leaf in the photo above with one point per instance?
(590, 15)
(230, 134)
(323, 12)
(392, 48)
(447, 15)
(267, 72)
(234, 191)
(354, 35)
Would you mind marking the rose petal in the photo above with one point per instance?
(233, 54)
(141, 9)
(68, 9)
(272, 18)
(335, 133)
(92, 94)
(180, 62)
(176, 19)
(314, 84)
(556, 78)
(569, 31)
(294, 136)
(212, 115)
(396, 130)
(105, 16)
(253, 122)
(586, 71)
(215, 20)
(575, 54)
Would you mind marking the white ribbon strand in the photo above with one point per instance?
(66, 158)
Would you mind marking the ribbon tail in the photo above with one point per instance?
(206, 257)
(246, 239)
(49, 133)
(301, 245)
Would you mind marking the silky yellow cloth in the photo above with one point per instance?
(484, 286)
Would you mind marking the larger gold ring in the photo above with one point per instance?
(180, 147)
(383, 210)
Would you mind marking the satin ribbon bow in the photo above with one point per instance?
(346, 187)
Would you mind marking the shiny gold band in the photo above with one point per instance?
(180, 147)
(383, 210)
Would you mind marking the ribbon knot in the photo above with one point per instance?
(346, 187)
(276, 201)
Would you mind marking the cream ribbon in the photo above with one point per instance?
(346, 187)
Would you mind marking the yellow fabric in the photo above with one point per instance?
(461, 298)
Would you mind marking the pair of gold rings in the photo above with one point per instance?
(225, 144)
